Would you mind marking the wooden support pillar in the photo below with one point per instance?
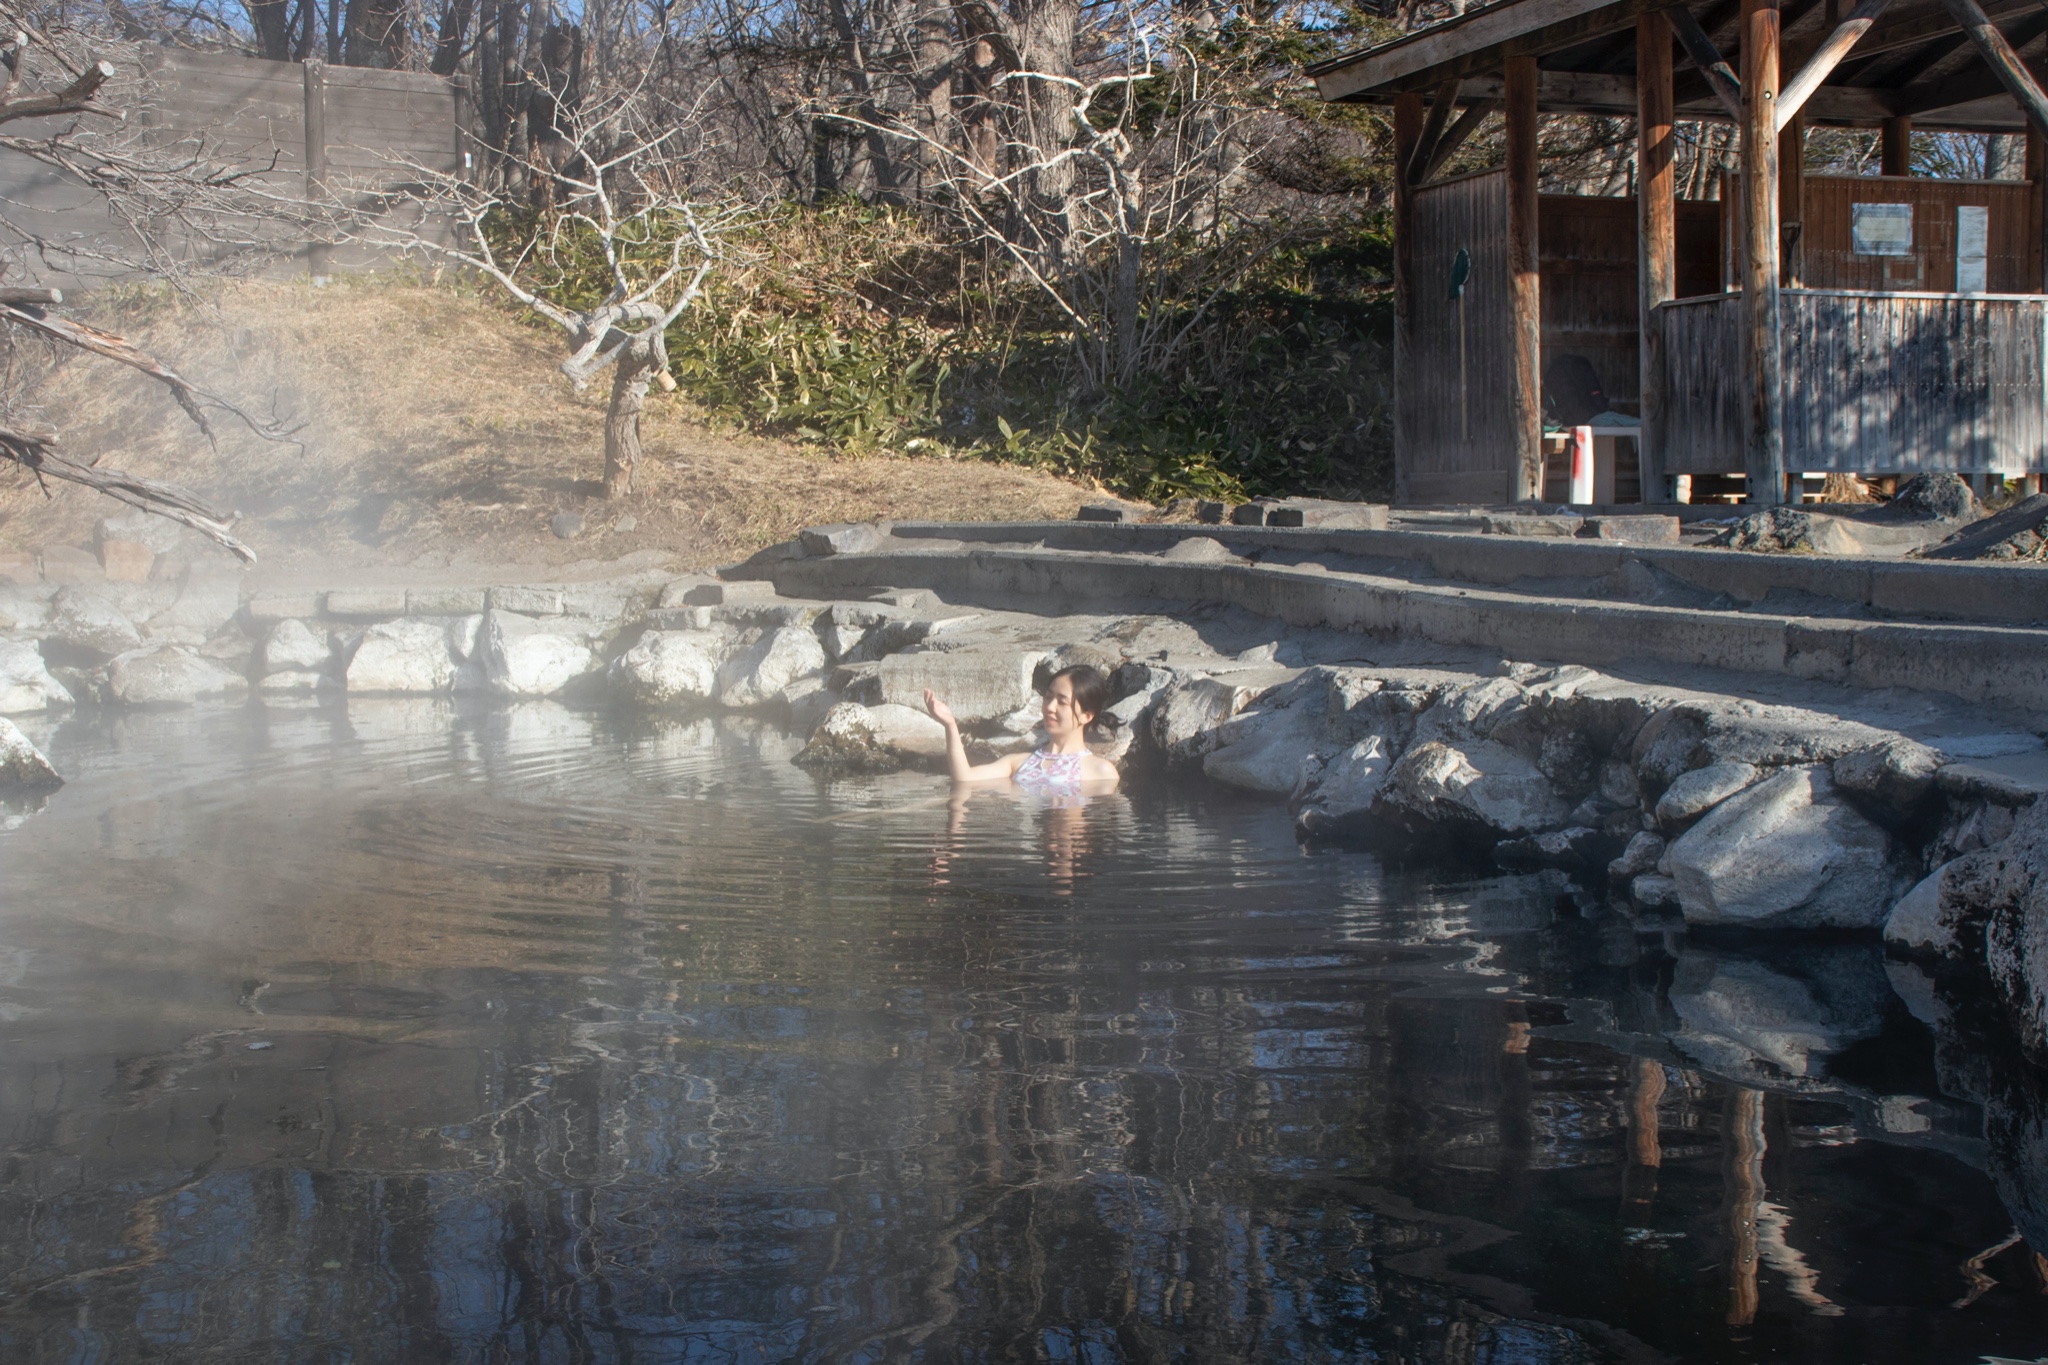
(1645, 1142)
(1764, 453)
(316, 156)
(1791, 199)
(1408, 118)
(2037, 210)
(1525, 481)
(1742, 1157)
(1657, 233)
(1895, 146)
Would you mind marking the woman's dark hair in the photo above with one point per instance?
(1091, 693)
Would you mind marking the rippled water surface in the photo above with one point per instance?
(397, 1034)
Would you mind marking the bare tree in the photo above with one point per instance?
(620, 208)
(1111, 192)
(169, 199)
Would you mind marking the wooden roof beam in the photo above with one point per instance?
(1599, 92)
(1921, 24)
(2000, 57)
(1967, 86)
(1447, 146)
(1707, 58)
(1479, 41)
(1822, 63)
(1439, 115)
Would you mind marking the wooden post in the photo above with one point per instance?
(1764, 455)
(1645, 1142)
(1742, 1155)
(1525, 481)
(1657, 235)
(1792, 197)
(316, 155)
(2037, 212)
(1895, 146)
(1408, 118)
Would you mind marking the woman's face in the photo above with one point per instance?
(1062, 715)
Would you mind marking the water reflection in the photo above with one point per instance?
(398, 1032)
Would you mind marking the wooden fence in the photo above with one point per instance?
(254, 116)
(1875, 383)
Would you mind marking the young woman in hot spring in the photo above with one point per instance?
(1074, 697)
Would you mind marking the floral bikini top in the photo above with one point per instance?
(1055, 774)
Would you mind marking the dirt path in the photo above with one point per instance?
(440, 438)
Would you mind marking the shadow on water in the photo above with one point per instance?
(397, 1033)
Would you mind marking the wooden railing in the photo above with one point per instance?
(1874, 383)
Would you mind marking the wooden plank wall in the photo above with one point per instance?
(1437, 459)
(249, 114)
(1591, 300)
(1885, 383)
(1704, 416)
(1875, 383)
(1829, 263)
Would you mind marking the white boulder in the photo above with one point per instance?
(169, 675)
(1267, 752)
(523, 658)
(1187, 712)
(981, 685)
(294, 646)
(671, 666)
(1696, 792)
(1348, 785)
(1788, 853)
(1916, 921)
(873, 738)
(87, 625)
(760, 672)
(208, 599)
(404, 657)
(25, 683)
(1479, 782)
(21, 763)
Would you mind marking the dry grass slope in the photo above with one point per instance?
(440, 437)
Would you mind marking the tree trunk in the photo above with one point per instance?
(637, 365)
(2005, 156)
(272, 27)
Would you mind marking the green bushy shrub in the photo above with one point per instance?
(861, 328)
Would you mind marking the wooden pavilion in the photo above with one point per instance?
(1799, 324)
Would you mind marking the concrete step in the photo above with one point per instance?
(1860, 587)
(1983, 662)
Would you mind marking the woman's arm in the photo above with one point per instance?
(956, 750)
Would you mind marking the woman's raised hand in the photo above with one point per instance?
(940, 712)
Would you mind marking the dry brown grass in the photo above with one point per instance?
(440, 436)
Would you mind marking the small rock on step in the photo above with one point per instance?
(1200, 550)
(853, 538)
(1104, 511)
(1558, 527)
(1327, 515)
(1634, 530)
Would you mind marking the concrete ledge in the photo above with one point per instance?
(1921, 589)
(1993, 664)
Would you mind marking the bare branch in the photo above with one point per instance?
(31, 450)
